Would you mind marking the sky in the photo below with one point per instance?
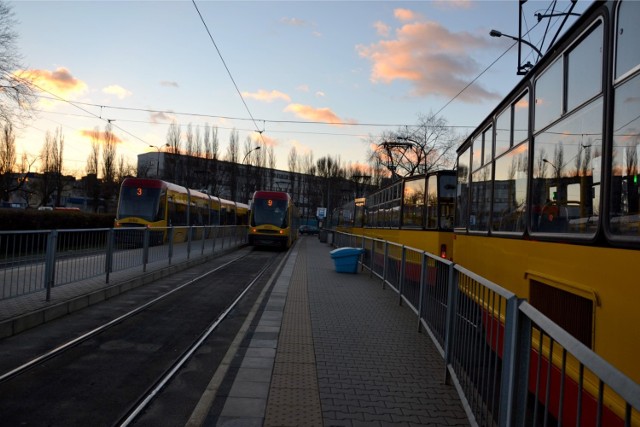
(320, 76)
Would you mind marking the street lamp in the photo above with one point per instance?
(158, 158)
(522, 69)
(249, 152)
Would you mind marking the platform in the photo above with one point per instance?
(336, 349)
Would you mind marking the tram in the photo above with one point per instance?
(273, 219)
(548, 185)
(160, 204)
(417, 211)
(547, 201)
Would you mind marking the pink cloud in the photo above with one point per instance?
(433, 59)
(266, 96)
(59, 82)
(97, 135)
(315, 114)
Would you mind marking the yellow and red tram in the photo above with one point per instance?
(547, 203)
(273, 219)
(155, 203)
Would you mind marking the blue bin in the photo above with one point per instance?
(346, 259)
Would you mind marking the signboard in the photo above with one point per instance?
(321, 213)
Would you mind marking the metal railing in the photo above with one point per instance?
(36, 261)
(510, 364)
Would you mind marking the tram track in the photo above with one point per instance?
(129, 359)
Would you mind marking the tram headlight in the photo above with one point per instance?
(443, 251)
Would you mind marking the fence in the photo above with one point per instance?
(510, 364)
(35, 261)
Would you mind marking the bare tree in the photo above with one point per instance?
(58, 157)
(7, 161)
(108, 163)
(16, 92)
(232, 157)
(429, 147)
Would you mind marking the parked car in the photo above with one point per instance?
(308, 229)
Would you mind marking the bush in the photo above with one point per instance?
(32, 219)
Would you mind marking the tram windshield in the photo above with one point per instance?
(269, 211)
(139, 202)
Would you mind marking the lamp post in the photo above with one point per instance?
(249, 152)
(158, 158)
(522, 69)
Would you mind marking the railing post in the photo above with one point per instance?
(214, 234)
(403, 263)
(108, 262)
(422, 285)
(384, 265)
(145, 249)
(190, 233)
(50, 262)
(509, 368)
(204, 235)
(373, 256)
(170, 238)
(450, 327)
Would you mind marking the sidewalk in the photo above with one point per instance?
(336, 349)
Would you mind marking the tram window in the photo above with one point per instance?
(521, 119)
(564, 156)
(446, 201)
(462, 204)
(476, 162)
(510, 190)
(413, 203)
(549, 96)
(487, 144)
(584, 69)
(432, 203)
(628, 34)
(480, 199)
(503, 132)
(624, 215)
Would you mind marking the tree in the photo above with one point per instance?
(7, 161)
(16, 92)
(429, 147)
(108, 163)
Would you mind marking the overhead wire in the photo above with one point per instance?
(228, 71)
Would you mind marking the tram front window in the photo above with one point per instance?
(139, 202)
(271, 212)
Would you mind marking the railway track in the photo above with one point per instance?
(136, 359)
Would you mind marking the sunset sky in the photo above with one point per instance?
(358, 67)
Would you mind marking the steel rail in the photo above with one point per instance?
(184, 358)
(57, 350)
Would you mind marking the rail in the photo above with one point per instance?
(510, 364)
(43, 260)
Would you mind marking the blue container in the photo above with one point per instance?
(346, 259)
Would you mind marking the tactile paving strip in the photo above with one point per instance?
(294, 399)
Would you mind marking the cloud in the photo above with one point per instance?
(303, 88)
(315, 114)
(434, 60)
(263, 138)
(161, 117)
(405, 15)
(320, 93)
(294, 22)
(118, 91)
(98, 135)
(167, 83)
(59, 82)
(382, 29)
(453, 4)
(265, 96)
